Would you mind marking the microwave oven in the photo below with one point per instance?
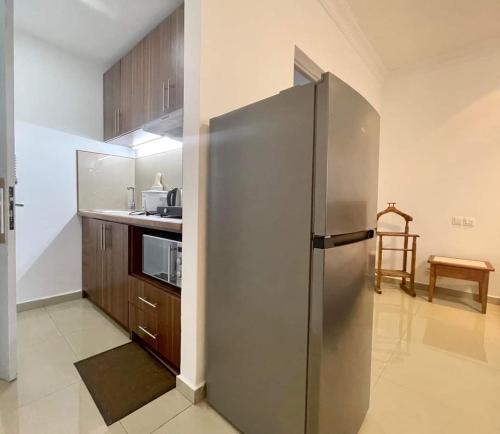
(162, 259)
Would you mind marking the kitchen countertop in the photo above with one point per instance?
(153, 222)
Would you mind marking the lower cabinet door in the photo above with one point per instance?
(105, 266)
(169, 325)
(116, 271)
(92, 260)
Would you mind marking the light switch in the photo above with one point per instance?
(457, 220)
(469, 222)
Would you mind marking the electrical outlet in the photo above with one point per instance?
(457, 220)
(469, 222)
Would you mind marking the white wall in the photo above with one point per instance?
(58, 108)
(237, 53)
(49, 237)
(56, 89)
(256, 59)
(440, 137)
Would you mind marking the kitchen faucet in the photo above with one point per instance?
(131, 203)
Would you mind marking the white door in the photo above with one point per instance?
(7, 182)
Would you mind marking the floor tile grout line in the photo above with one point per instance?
(104, 316)
(27, 404)
(80, 380)
(63, 336)
(43, 308)
(172, 418)
(123, 426)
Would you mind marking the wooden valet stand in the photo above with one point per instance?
(403, 273)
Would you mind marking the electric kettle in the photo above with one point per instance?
(174, 197)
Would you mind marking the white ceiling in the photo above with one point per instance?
(102, 30)
(407, 32)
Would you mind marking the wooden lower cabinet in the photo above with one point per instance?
(152, 313)
(105, 266)
(112, 101)
(91, 264)
(115, 271)
(155, 316)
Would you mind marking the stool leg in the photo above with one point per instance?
(432, 283)
(483, 292)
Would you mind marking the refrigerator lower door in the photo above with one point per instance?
(340, 338)
(258, 258)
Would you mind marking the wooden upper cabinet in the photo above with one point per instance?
(159, 78)
(148, 82)
(167, 65)
(135, 86)
(112, 101)
(177, 58)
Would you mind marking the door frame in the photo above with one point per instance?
(8, 368)
(306, 66)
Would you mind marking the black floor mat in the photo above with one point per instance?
(124, 379)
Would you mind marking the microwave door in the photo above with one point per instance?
(162, 259)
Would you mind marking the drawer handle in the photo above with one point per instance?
(155, 305)
(151, 335)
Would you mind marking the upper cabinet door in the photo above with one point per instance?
(161, 75)
(176, 59)
(111, 101)
(135, 87)
(167, 65)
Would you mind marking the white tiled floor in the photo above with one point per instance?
(49, 396)
(436, 369)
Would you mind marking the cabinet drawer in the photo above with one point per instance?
(145, 325)
(146, 296)
(135, 290)
(161, 312)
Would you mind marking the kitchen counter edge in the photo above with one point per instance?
(141, 221)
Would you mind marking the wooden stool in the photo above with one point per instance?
(403, 273)
(466, 269)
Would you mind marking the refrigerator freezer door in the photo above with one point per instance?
(258, 257)
(346, 160)
(340, 339)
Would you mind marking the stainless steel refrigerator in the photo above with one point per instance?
(292, 195)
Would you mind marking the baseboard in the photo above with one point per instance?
(193, 395)
(47, 301)
(424, 288)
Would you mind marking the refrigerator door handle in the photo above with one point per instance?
(331, 241)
